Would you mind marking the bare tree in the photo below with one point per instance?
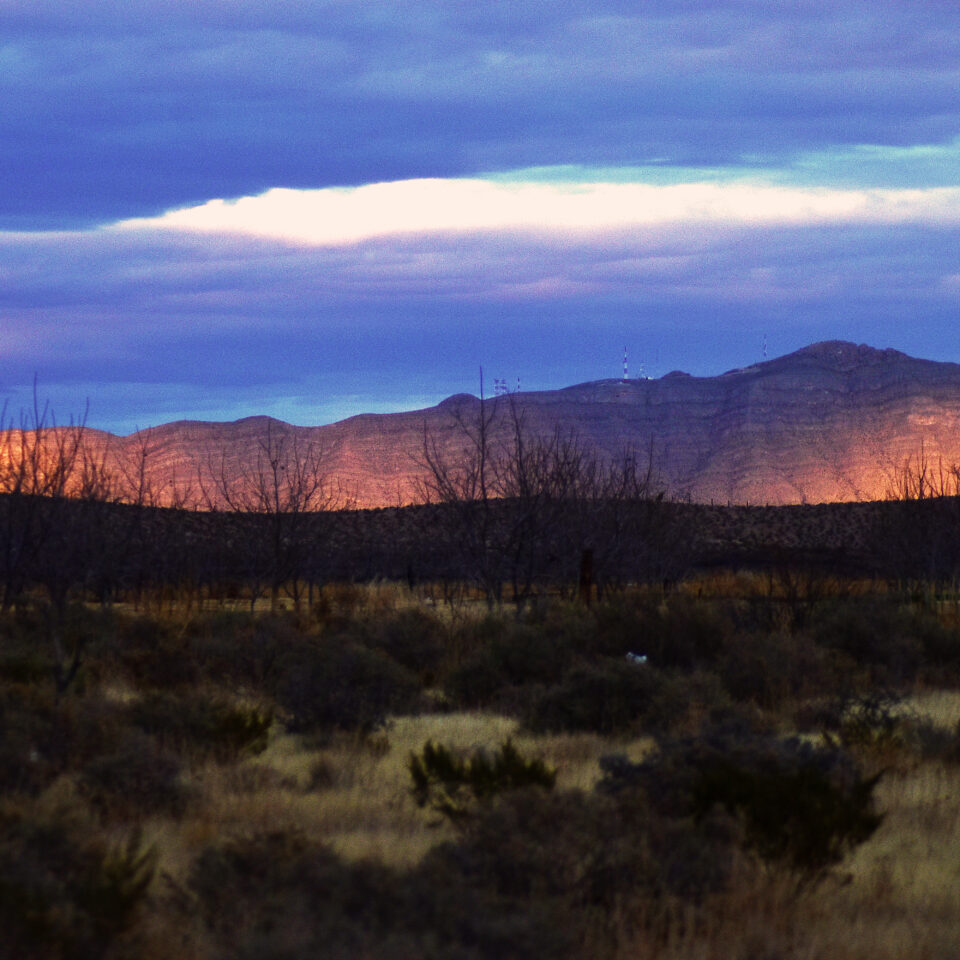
(527, 510)
(465, 485)
(277, 494)
(915, 537)
(44, 537)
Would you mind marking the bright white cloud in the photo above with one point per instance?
(338, 216)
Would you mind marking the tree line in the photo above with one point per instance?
(509, 513)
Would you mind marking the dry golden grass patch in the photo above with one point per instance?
(354, 793)
(941, 707)
(903, 898)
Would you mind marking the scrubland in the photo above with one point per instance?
(772, 773)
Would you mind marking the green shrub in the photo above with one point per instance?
(477, 682)
(412, 637)
(609, 697)
(281, 895)
(680, 702)
(454, 785)
(134, 780)
(151, 652)
(933, 742)
(514, 655)
(800, 806)
(329, 687)
(889, 638)
(579, 857)
(195, 724)
(44, 737)
(64, 891)
(244, 650)
(769, 669)
(27, 666)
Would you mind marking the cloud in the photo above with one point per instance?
(157, 324)
(119, 110)
(331, 217)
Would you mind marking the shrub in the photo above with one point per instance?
(332, 687)
(799, 806)
(134, 780)
(43, 737)
(199, 725)
(933, 742)
(412, 637)
(768, 669)
(478, 682)
(64, 891)
(515, 655)
(881, 634)
(243, 649)
(682, 635)
(578, 857)
(283, 895)
(609, 697)
(25, 666)
(453, 786)
(152, 653)
(680, 702)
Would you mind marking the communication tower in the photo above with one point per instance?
(499, 386)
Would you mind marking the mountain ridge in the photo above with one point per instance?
(832, 421)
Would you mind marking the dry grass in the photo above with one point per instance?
(942, 707)
(897, 896)
(355, 793)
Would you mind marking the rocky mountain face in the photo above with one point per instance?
(832, 422)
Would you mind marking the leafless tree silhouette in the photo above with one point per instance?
(278, 493)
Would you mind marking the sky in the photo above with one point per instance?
(212, 209)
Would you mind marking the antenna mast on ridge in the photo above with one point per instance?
(625, 377)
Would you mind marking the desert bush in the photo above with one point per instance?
(134, 780)
(44, 736)
(876, 726)
(512, 656)
(454, 785)
(870, 721)
(321, 776)
(683, 634)
(283, 895)
(195, 724)
(245, 650)
(681, 702)
(882, 634)
(609, 697)
(774, 668)
(153, 653)
(20, 663)
(328, 686)
(582, 859)
(799, 806)
(412, 637)
(65, 892)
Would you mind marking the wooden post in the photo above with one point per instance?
(586, 576)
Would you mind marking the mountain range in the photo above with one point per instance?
(834, 421)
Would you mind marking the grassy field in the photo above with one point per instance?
(230, 784)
